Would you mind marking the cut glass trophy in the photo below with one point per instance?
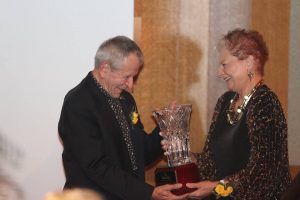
(174, 123)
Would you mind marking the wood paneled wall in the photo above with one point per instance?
(271, 19)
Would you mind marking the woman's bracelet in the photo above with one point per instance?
(222, 189)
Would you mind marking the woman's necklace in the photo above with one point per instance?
(232, 116)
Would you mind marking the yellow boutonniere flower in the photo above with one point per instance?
(222, 190)
(134, 117)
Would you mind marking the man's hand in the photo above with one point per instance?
(164, 192)
(164, 142)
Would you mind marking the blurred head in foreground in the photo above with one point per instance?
(74, 194)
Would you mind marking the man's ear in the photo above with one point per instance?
(103, 69)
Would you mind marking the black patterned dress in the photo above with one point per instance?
(251, 154)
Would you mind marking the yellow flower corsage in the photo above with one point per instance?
(222, 190)
(134, 117)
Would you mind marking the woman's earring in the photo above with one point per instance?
(250, 75)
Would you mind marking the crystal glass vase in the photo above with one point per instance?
(174, 123)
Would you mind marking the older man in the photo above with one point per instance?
(105, 145)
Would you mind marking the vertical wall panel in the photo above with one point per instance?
(271, 19)
(294, 84)
(224, 16)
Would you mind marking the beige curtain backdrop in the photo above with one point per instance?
(178, 39)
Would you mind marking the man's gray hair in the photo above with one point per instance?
(114, 50)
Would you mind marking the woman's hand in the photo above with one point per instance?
(204, 189)
(193, 157)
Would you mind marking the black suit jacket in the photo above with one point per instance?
(95, 155)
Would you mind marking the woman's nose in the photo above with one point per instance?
(220, 71)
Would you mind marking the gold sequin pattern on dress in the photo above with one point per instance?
(266, 175)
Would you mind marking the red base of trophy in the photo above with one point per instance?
(187, 173)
